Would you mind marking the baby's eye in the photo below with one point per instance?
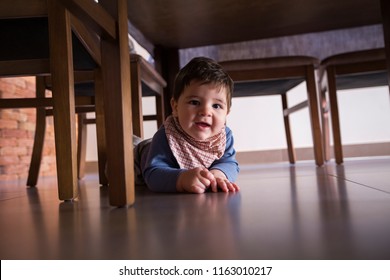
(217, 106)
(194, 102)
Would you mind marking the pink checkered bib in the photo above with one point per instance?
(189, 152)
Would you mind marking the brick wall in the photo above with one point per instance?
(17, 128)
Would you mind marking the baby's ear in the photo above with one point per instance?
(174, 107)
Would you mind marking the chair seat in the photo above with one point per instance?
(28, 39)
(355, 57)
(362, 80)
(268, 87)
(268, 76)
(358, 69)
(31, 35)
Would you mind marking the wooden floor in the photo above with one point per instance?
(282, 212)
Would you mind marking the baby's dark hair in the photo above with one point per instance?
(206, 71)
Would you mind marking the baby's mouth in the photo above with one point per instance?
(202, 124)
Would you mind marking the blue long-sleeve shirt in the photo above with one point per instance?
(160, 169)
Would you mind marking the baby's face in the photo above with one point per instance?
(201, 110)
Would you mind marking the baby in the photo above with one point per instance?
(193, 151)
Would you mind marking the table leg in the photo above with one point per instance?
(117, 101)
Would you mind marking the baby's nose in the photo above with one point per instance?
(205, 111)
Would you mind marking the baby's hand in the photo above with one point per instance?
(195, 180)
(222, 182)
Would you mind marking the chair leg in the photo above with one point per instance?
(81, 144)
(334, 112)
(61, 64)
(286, 118)
(160, 109)
(314, 115)
(136, 100)
(325, 121)
(39, 137)
(100, 128)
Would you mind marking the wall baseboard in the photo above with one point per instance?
(91, 167)
(280, 155)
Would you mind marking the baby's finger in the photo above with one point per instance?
(222, 184)
(214, 184)
(207, 174)
(232, 187)
(235, 187)
(205, 182)
(198, 188)
(210, 177)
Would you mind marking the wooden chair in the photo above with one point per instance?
(84, 89)
(32, 50)
(145, 81)
(352, 70)
(105, 23)
(276, 76)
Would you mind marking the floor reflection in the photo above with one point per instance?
(336, 227)
(188, 226)
(281, 212)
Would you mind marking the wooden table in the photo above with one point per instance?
(164, 27)
(107, 22)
